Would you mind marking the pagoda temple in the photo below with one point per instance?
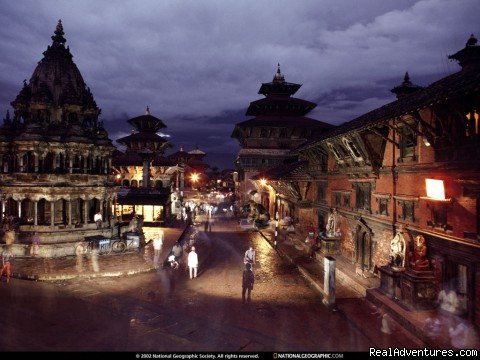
(55, 155)
(143, 172)
(278, 125)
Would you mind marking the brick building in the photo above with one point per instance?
(374, 171)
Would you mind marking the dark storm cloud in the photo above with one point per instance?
(198, 64)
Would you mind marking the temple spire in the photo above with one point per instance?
(147, 111)
(406, 87)
(278, 78)
(58, 37)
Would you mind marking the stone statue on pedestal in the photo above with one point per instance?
(418, 259)
(397, 250)
(332, 224)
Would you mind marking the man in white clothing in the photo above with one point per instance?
(193, 263)
(157, 247)
(98, 219)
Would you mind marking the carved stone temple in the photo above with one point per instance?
(55, 157)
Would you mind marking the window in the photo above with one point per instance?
(439, 216)
(321, 192)
(363, 193)
(408, 142)
(346, 200)
(338, 199)
(408, 210)
(383, 206)
(263, 132)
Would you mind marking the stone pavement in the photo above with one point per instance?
(128, 263)
(358, 300)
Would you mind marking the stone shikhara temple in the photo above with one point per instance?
(55, 155)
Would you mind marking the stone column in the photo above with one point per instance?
(85, 211)
(35, 161)
(70, 164)
(35, 213)
(69, 211)
(146, 173)
(109, 166)
(182, 179)
(20, 162)
(329, 280)
(20, 209)
(102, 209)
(4, 202)
(177, 180)
(52, 213)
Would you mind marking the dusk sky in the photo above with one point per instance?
(198, 64)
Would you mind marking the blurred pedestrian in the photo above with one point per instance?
(247, 282)
(193, 263)
(6, 256)
(157, 248)
(35, 244)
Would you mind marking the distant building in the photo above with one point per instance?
(194, 166)
(144, 174)
(278, 125)
(55, 154)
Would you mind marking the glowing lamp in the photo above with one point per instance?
(263, 182)
(435, 189)
(194, 177)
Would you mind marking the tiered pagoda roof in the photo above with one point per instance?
(145, 138)
(279, 109)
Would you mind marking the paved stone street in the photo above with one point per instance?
(142, 312)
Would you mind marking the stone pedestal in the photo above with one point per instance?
(418, 290)
(390, 283)
(329, 281)
(330, 245)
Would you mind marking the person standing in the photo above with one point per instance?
(193, 263)
(247, 282)
(98, 219)
(6, 256)
(157, 248)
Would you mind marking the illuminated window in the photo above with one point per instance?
(435, 189)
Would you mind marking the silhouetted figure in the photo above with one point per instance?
(247, 282)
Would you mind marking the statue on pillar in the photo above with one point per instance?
(418, 259)
(332, 223)
(397, 250)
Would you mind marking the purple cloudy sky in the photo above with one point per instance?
(198, 64)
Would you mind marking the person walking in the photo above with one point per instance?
(157, 248)
(247, 282)
(193, 263)
(6, 256)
